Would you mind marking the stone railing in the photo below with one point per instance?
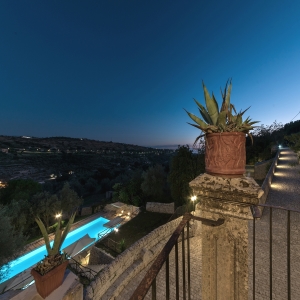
(268, 180)
(111, 280)
(164, 208)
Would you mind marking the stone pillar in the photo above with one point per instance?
(225, 248)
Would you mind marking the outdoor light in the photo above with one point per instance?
(129, 214)
(122, 211)
(116, 229)
(57, 216)
(193, 198)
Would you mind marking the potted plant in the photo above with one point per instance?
(49, 273)
(225, 134)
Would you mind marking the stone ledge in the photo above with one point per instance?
(239, 190)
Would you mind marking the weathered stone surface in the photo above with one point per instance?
(225, 247)
(112, 279)
(241, 190)
(97, 256)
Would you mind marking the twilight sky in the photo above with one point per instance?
(123, 70)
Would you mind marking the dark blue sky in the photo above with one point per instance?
(123, 71)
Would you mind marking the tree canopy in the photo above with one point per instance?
(185, 166)
(155, 180)
(11, 241)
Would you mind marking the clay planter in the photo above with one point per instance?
(46, 284)
(225, 154)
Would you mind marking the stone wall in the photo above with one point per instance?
(261, 169)
(268, 180)
(110, 281)
(164, 208)
(99, 257)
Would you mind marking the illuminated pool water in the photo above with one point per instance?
(28, 260)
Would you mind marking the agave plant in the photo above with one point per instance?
(59, 236)
(54, 257)
(223, 120)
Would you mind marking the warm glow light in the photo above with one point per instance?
(278, 186)
(284, 158)
(193, 198)
(116, 229)
(129, 214)
(57, 216)
(122, 211)
(280, 174)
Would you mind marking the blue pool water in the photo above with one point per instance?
(28, 260)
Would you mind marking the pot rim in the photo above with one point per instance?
(226, 133)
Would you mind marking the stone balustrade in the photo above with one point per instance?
(111, 280)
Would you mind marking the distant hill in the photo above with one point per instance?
(64, 144)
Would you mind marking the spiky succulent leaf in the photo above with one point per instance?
(67, 229)
(241, 113)
(204, 113)
(232, 108)
(228, 94)
(197, 126)
(44, 233)
(222, 119)
(197, 138)
(197, 120)
(214, 99)
(239, 120)
(212, 105)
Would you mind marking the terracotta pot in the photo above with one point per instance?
(225, 154)
(46, 284)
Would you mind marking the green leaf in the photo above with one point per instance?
(197, 126)
(227, 99)
(197, 120)
(241, 113)
(239, 120)
(212, 105)
(204, 113)
(67, 229)
(222, 119)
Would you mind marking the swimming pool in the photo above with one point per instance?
(28, 260)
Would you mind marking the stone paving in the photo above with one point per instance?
(284, 192)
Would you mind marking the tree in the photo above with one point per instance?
(294, 142)
(264, 137)
(45, 206)
(19, 189)
(19, 211)
(185, 166)
(130, 192)
(155, 181)
(11, 242)
(69, 200)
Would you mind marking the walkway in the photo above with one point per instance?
(284, 192)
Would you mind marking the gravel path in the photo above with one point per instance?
(284, 192)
